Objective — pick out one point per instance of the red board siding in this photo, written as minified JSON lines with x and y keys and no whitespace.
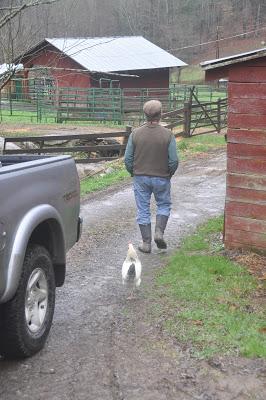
{"x":157,"y":78}
{"x":246,"y":166}
{"x":247,"y":106}
{"x":246,"y":91}
{"x":245,"y":121}
{"x":247,"y":238}
{"x":246,"y":136}
{"x":246,"y":195}
{"x":235,"y":245}
{"x":242,"y":150}
{"x":245,"y":224}
{"x":52,"y":57}
{"x":246,"y":181}
{"x":247,"y":210}
{"x":247,"y":74}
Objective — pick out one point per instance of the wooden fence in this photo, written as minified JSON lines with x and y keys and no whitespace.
{"x":197,"y":118}
{"x":86,"y":148}
{"x":194,"y":118}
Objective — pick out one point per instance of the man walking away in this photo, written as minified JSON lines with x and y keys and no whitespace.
{"x":151,"y":158}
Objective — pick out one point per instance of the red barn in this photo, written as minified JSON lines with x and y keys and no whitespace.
{"x":245,"y":210}
{"x":130,"y":62}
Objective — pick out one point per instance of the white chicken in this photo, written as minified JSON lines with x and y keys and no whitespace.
{"x":131,"y":269}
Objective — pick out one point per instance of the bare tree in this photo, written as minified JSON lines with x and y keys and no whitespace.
{"x":175,"y":25}
{"x":13,"y":10}
{"x":11,"y":32}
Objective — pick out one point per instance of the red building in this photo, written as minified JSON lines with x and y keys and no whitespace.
{"x":127,"y":62}
{"x":245,"y":210}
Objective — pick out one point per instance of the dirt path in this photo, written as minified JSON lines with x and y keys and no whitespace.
{"x":52,"y":129}
{"x":102,"y":346}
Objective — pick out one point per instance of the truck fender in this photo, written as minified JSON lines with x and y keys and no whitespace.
{"x":27,"y":225}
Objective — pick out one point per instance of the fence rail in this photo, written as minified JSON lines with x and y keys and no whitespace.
{"x":193,"y":119}
{"x":194,"y":116}
{"x":87,"y":148}
{"x":24,"y":100}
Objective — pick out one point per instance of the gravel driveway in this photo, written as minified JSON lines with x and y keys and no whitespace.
{"x":105,"y":347}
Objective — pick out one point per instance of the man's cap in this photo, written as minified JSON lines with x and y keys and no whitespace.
{"x":152,"y":108}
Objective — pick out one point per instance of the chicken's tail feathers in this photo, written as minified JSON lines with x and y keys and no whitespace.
{"x":124,"y":271}
{"x":128,"y":271}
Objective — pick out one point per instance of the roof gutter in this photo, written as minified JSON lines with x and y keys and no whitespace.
{"x":80,"y":70}
{"x":207,"y":65}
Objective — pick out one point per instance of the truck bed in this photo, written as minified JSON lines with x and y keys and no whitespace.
{"x":15,"y":163}
{"x":10,"y":160}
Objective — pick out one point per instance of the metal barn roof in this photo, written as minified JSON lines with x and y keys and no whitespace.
{"x":114,"y":54}
{"x":221,"y":62}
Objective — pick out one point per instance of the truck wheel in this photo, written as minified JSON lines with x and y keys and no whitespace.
{"x":27,"y":318}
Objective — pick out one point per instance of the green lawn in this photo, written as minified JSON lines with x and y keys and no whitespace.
{"x":207,"y":302}
{"x":25,"y":116}
{"x":189,"y":74}
{"x":31,"y":117}
{"x":200,"y":144}
{"x":193,"y":75}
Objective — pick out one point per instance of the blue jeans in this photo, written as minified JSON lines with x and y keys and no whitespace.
{"x":144,"y":186}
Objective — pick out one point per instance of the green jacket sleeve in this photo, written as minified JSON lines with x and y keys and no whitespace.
{"x":129,"y":155}
{"x":172,"y":156}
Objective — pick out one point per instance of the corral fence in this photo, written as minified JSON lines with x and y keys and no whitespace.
{"x":24,"y":100}
{"x":194,"y":118}
{"x":85,"y":148}
{"x":197,"y":117}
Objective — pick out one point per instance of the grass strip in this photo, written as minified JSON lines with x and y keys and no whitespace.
{"x":102,"y":181}
{"x":200,"y":144}
{"x":207,"y":302}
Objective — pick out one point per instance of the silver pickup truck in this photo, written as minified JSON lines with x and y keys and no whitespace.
{"x":39,"y":222}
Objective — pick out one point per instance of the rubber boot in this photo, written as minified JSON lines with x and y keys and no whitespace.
{"x":161,"y":222}
{"x":145,"y":231}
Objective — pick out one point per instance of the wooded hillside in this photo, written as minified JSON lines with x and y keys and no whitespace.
{"x":175,"y":25}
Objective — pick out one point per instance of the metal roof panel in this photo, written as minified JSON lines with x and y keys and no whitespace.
{"x":219,"y":62}
{"x":114,"y":54}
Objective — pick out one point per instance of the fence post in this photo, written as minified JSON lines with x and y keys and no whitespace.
{"x":121,"y":106}
{"x":58,"y":102}
{"x":219,"y":115}
{"x":187,"y":118}
{"x":1,"y":116}
{"x":41,"y":146}
{"x":10,"y":100}
{"x":142,"y":101}
{"x":125,"y":140}
{"x":38,"y":108}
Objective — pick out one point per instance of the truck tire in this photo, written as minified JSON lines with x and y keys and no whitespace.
{"x":27,"y":318}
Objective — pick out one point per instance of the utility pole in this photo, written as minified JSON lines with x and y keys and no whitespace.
{"x":217,"y":41}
